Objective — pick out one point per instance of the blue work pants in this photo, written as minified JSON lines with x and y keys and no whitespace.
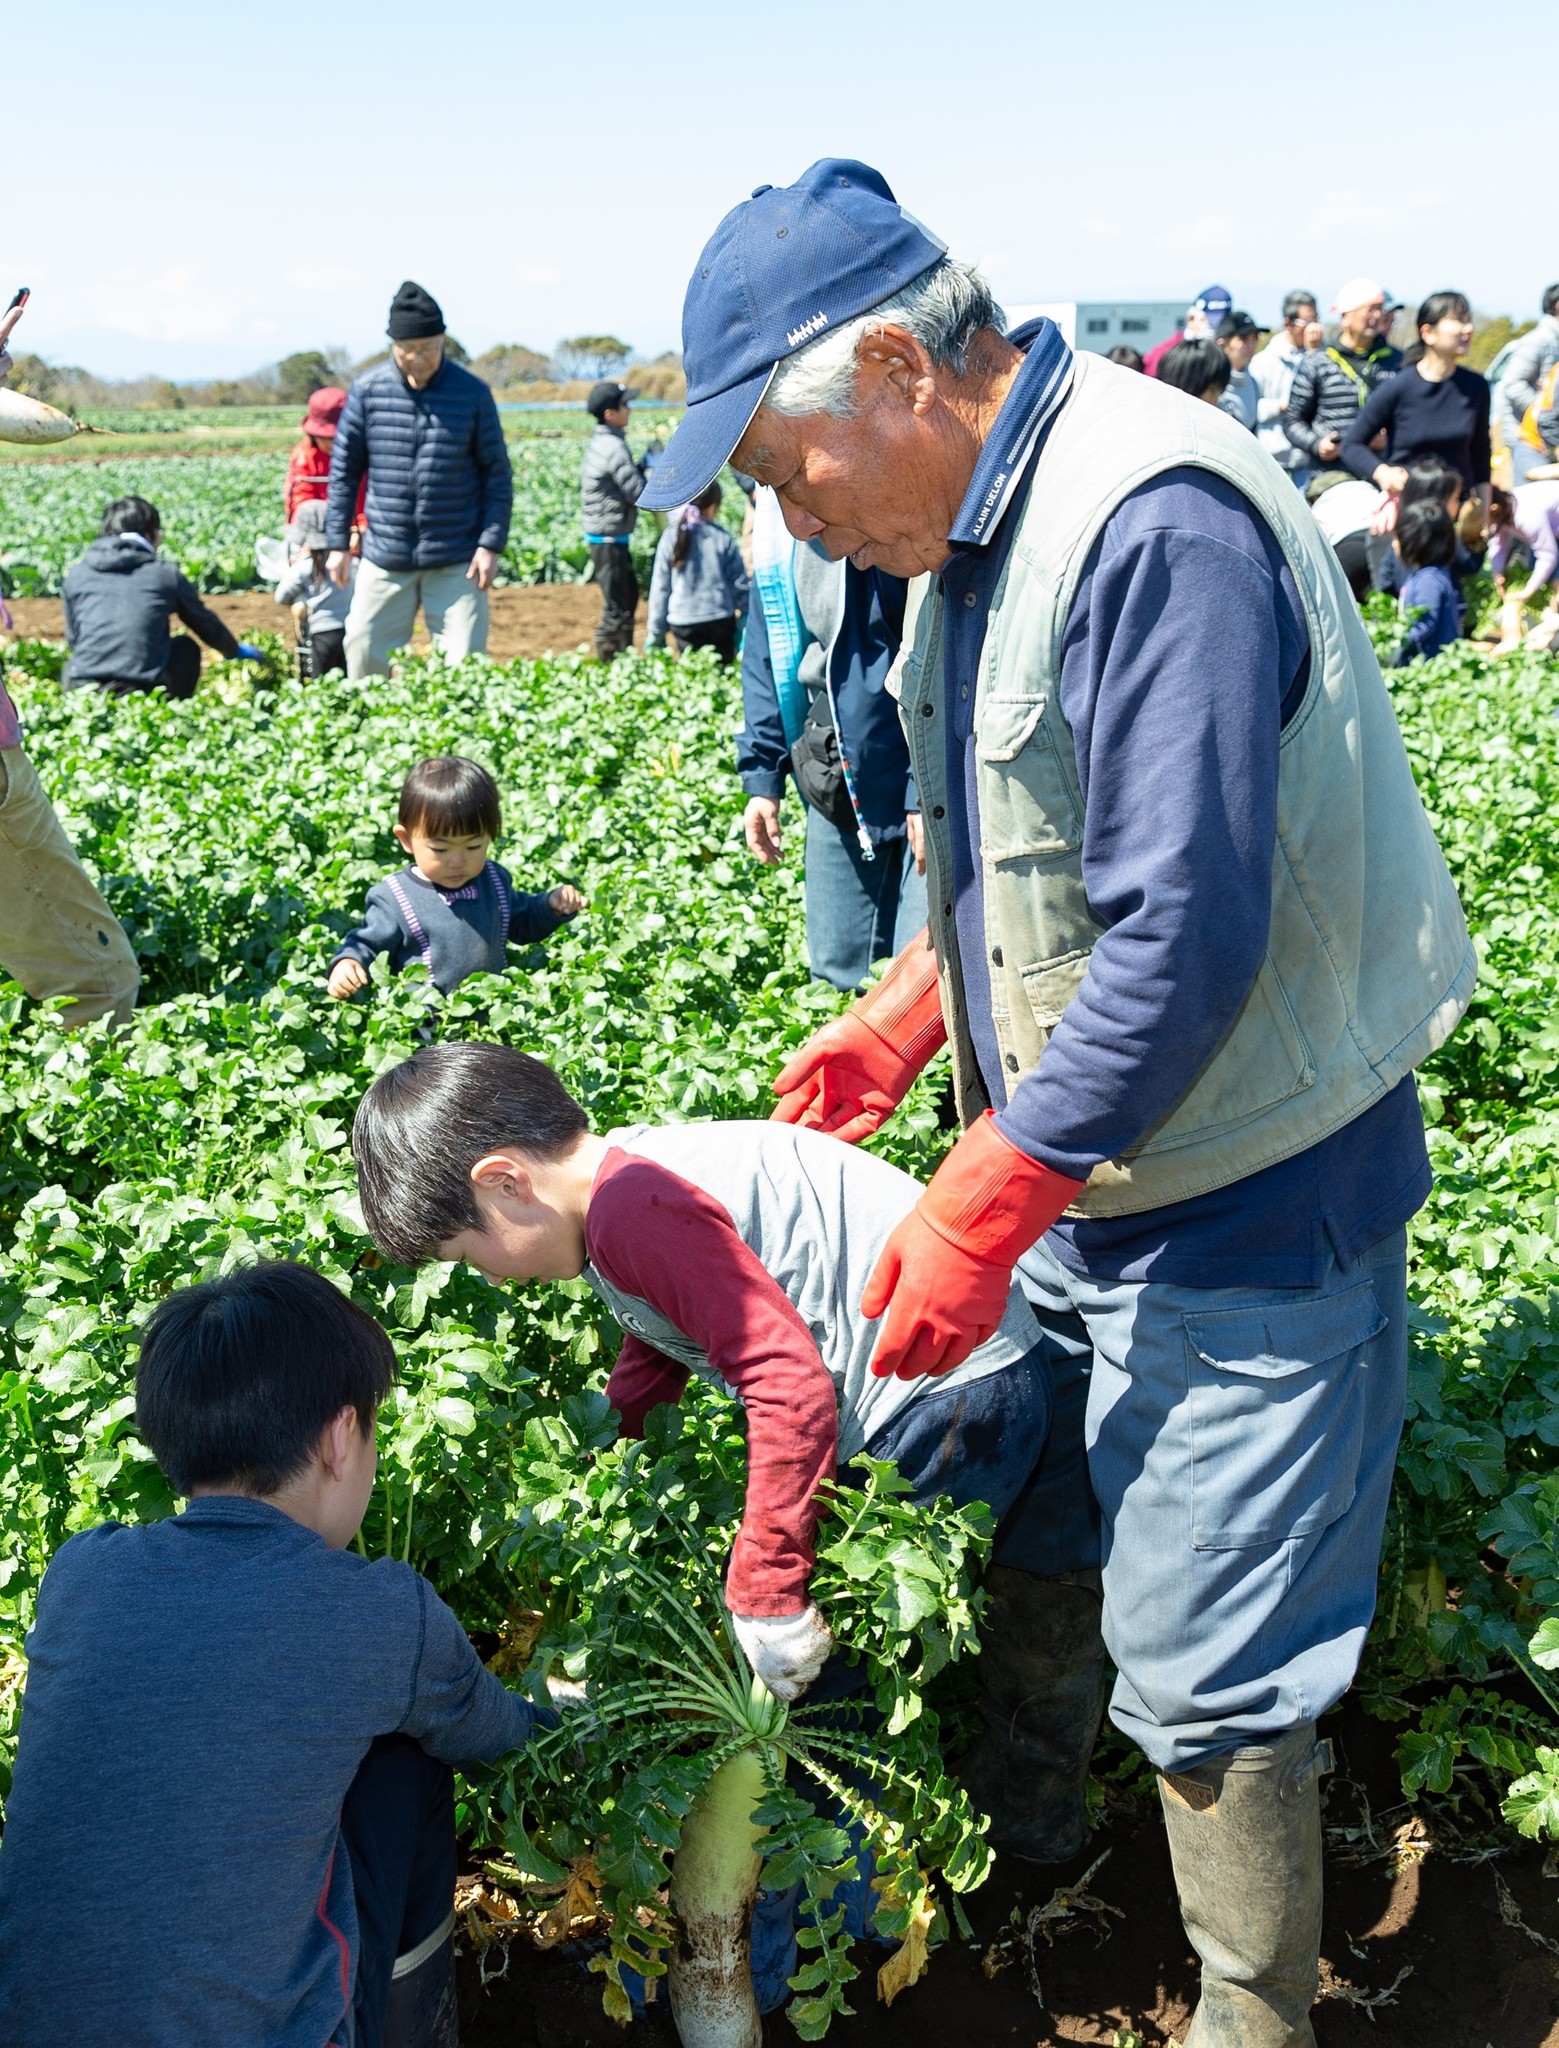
{"x":1241,"y":1443}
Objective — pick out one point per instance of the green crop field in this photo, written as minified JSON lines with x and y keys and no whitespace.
{"x":215,"y":505}
{"x":235,"y":836}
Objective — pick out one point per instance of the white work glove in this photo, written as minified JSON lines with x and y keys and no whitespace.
{"x":786,"y":1651}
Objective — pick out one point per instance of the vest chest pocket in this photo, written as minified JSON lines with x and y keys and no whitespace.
{"x":1028,"y":798}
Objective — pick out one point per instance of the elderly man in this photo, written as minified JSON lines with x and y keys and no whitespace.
{"x":440,"y":495}
{"x":1332,"y":384}
{"x":1192,"y":933}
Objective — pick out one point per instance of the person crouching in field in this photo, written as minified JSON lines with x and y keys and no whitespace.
{"x":237,"y":1735}
{"x":739,"y":1251}
{"x":316,"y":596}
{"x":453,"y":909}
{"x":118,"y":600}
{"x":700,"y":584}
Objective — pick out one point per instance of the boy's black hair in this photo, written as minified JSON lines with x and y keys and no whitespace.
{"x":132,"y":515}
{"x":1551,"y":299}
{"x":238,"y":1376}
{"x":1426,"y":538}
{"x":1128,"y":357}
{"x":1195,"y":367}
{"x":450,"y":797}
{"x":423,"y":1125}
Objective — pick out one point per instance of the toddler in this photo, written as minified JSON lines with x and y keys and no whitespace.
{"x":1426,"y":544}
{"x":453,"y":908}
{"x":320,"y":603}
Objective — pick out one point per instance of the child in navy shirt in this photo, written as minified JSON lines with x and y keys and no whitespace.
{"x":453,"y":908}
{"x":238,"y":1732}
{"x":1426,"y":544}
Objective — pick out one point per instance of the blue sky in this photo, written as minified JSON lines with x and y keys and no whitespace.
{"x":198,"y":190}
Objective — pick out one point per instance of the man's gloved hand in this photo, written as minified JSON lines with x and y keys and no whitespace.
{"x":248,"y":653}
{"x":850,"y":1077}
{"x":786,"y":1651}
{"x":945,"y":1273}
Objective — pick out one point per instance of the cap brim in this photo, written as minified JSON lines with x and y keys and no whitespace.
{"x":702,"y":445}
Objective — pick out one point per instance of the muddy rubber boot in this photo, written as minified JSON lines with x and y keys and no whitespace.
{"x":423,"y":2011}
{"x":1043,"y":1673}
{"x":1245,"y":1840}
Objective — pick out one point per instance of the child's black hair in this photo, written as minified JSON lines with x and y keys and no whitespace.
{"x":450,"y":798}
{"x":1128,"y":357}
{"x":423,"y":1125}
{"x":1195,"y":367}
{"x":132,"y":515}
{"x":1426,"y":537}
{"x":708,"y":504}
{"x":238,"y":1376}
{"x":1432,"y":480}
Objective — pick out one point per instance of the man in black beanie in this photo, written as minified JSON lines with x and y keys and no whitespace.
{"x":440,"y":494}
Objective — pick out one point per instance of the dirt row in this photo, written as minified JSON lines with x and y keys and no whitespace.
{"x":543,"y":618}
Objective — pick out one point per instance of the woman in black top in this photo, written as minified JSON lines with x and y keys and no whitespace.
{"x":1432,"y":407}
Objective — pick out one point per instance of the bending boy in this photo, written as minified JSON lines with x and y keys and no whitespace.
{"x":237,"y":1734}
{"x":739,"y":1251}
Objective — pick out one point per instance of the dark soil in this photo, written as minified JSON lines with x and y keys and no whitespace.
{"x":528,"y":620}
{"x":1475,"y":1979}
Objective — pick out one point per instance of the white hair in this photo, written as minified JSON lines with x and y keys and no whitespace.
{"x":944,"y":308}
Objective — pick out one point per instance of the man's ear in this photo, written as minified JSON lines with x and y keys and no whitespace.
{"x":335,"y":1440}
{"x":892,"y":360}
{"x":501,"y":1173}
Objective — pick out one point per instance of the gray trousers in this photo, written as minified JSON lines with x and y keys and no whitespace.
{"x":384,"y":611}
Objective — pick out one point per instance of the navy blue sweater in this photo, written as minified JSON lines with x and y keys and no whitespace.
{"x":200,"y":1694}
{"x":1184,"y":654}
{"x":453,"y":932}
{"x":1449,"y":419}
{"x":439,"y":481}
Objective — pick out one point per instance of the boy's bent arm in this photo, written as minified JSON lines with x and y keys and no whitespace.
{"x":655,"y":1235}
{"x":458,"y":1710}
{"x":643,"y":1378}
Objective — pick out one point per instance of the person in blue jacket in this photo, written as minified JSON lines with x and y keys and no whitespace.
{"x":1426,"y":547}
{"x":440,"y":495}
{"x":821,"y":637}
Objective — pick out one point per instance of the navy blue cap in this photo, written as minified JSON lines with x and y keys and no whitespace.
{"x":783,"y":267}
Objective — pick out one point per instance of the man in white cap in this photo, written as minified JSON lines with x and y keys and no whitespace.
{"x":1332,"y":383}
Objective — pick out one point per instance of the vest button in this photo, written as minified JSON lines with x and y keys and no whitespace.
{"x":970,"y":600}
{"x":947,"y":909}
{"x":928,"y":711}
{"x":996,"y":956}
{"x":938,"y":811}
{"x":1012,"y":1063}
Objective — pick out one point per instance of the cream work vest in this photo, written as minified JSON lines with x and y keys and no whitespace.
{"x":1368,"y":964}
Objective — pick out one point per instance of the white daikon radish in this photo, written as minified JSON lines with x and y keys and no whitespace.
{"x":29,"y":419}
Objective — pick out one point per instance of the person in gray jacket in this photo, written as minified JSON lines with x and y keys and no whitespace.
{"x":1529,"y":362}
{"x":119,"y":599}
{"x":610,"y":486}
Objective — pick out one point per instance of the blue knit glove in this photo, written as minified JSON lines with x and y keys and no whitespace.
{"x":248,"y":653}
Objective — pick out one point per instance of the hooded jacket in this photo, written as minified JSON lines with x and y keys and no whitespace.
{"x":439,"y":481}
{"x":118,"y":601}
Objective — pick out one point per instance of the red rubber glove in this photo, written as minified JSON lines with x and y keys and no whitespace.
{"x":850,"y":1077}
{"x":946,"y":1272}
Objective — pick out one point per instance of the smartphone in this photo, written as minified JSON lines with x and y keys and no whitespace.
{"x":23,"y":294}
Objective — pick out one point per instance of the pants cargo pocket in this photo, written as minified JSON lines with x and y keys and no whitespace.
{"x":1276,"y":1400}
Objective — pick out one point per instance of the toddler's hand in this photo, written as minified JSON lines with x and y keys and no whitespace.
{"x":346,"y":978}
{"x":567,"y":901}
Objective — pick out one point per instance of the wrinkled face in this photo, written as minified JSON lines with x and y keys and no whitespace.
{"x":418,"y":361}
{"x":447,"y":860}
{"x":871,"y":488}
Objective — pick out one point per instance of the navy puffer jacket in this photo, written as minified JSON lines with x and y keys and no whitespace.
{"x":439,"y":481}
